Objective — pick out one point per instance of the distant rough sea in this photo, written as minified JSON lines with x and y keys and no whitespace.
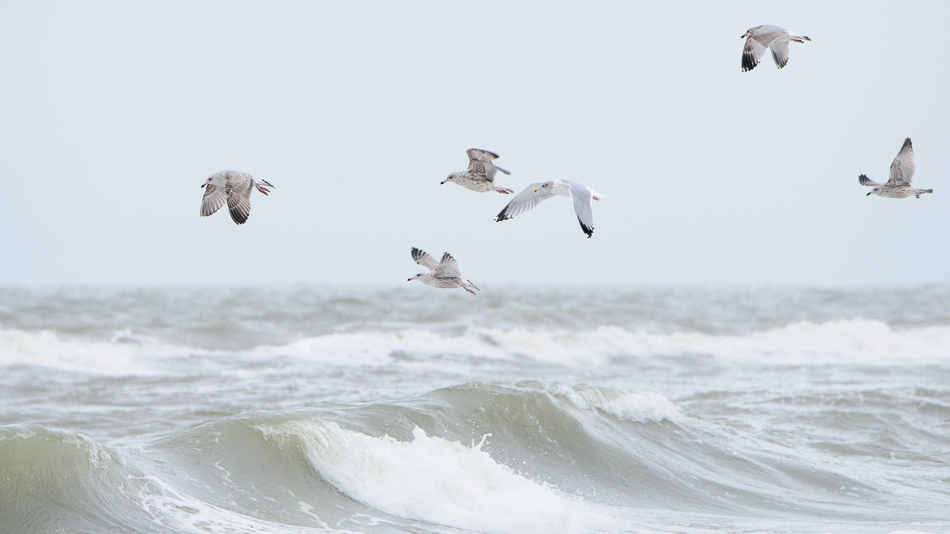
{"x":520,"y":410}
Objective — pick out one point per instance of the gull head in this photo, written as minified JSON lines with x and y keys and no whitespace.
{"x":545,"y":185}
{"x":450,"y":178}
{"x":211,"y":180}
{"x":416,"y":277}
{"x":873,"y":191}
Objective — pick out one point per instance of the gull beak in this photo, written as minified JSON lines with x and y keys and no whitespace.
{"x":409,"y":280}
{"x":536,"y":190}
{"x":869,"y":194}
{"x":442,"y":182}
{"x":204,"y":184}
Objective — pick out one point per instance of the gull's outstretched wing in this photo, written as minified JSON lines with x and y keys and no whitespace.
{"x":902,"y":168}
{"x":864,"y":180}
{"x":482,"y":161}
{"x":213,"y":199}
{"x":585,"y":216}
{"x":751,"y":54}
{"x":448,"y":267}
{"x":758,"y":40}
{"x":239,"y":198}
{"x":524,"y":201}
{"x":424,"y":259}
{"x":780,"y":52}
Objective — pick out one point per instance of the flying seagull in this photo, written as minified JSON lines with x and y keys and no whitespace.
{"x":480,"y":175}
{"x":234,"y":188}
{"x":902,"y":171}
{"x":762,"y":37}
{"x":445,"y":274}
{"x":539,"y":192}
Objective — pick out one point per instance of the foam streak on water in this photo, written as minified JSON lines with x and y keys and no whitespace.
{"x":301,"y":409}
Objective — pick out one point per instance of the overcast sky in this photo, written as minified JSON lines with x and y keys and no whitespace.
{"x":112,"y":114}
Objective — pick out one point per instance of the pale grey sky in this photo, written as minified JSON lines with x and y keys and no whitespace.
{"x":112,"y":114}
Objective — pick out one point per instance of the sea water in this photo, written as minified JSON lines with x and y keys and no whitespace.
{"x":521,"y":410}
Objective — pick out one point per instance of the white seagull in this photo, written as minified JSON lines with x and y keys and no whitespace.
{"x":234,"y":188}
{"x":902,"y":172}
{"x":762,"y":37}
{"x":480,"y":175}
{"x":445,"y":274}
{"x":537,"y":193}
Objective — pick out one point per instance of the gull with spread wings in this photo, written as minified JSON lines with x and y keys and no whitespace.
{"x":234,"y":188}
{"x":760,"y":38}
{"x":537,"y":193}
{"x":480,"y":175}
{"x":902,"y":172}
{"x":444,"y":274}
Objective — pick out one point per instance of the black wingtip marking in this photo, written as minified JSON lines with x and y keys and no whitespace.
{"x":589,"y":230}
{"x":747,"y":62}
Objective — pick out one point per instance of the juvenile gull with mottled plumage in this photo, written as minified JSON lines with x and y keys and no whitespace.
{"x":902,"y":172}
{"x":444,"y":274}
{"x":480,"y":175}
{"x":234,"y":188}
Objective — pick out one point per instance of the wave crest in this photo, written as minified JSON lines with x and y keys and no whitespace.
{"x":432,"y":479}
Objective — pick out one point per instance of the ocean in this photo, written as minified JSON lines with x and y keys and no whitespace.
{"x":297,"y":409}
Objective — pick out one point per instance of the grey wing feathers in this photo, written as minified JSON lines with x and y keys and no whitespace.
{"x":780,"y":52}
{"x":864,"y":180}
{"x":448,"y":267}
{"x":477,"y":158}
{"x":585,"y":216}
{"x":903,"y":166}
{"x":524,"y":201}
{"x":751,"y":54}
{"x":239,"y":200}
{"x":213,"y":199}
{"x":481,"y":155}
{"x":424,"y":259}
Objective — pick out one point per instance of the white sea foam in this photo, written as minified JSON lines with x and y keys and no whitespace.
{"x":46,"y":349}
{"x":639,"y":407}
{"x":435,"y":480}
{"x":849,"y":341}
{"x":168,"y":507}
